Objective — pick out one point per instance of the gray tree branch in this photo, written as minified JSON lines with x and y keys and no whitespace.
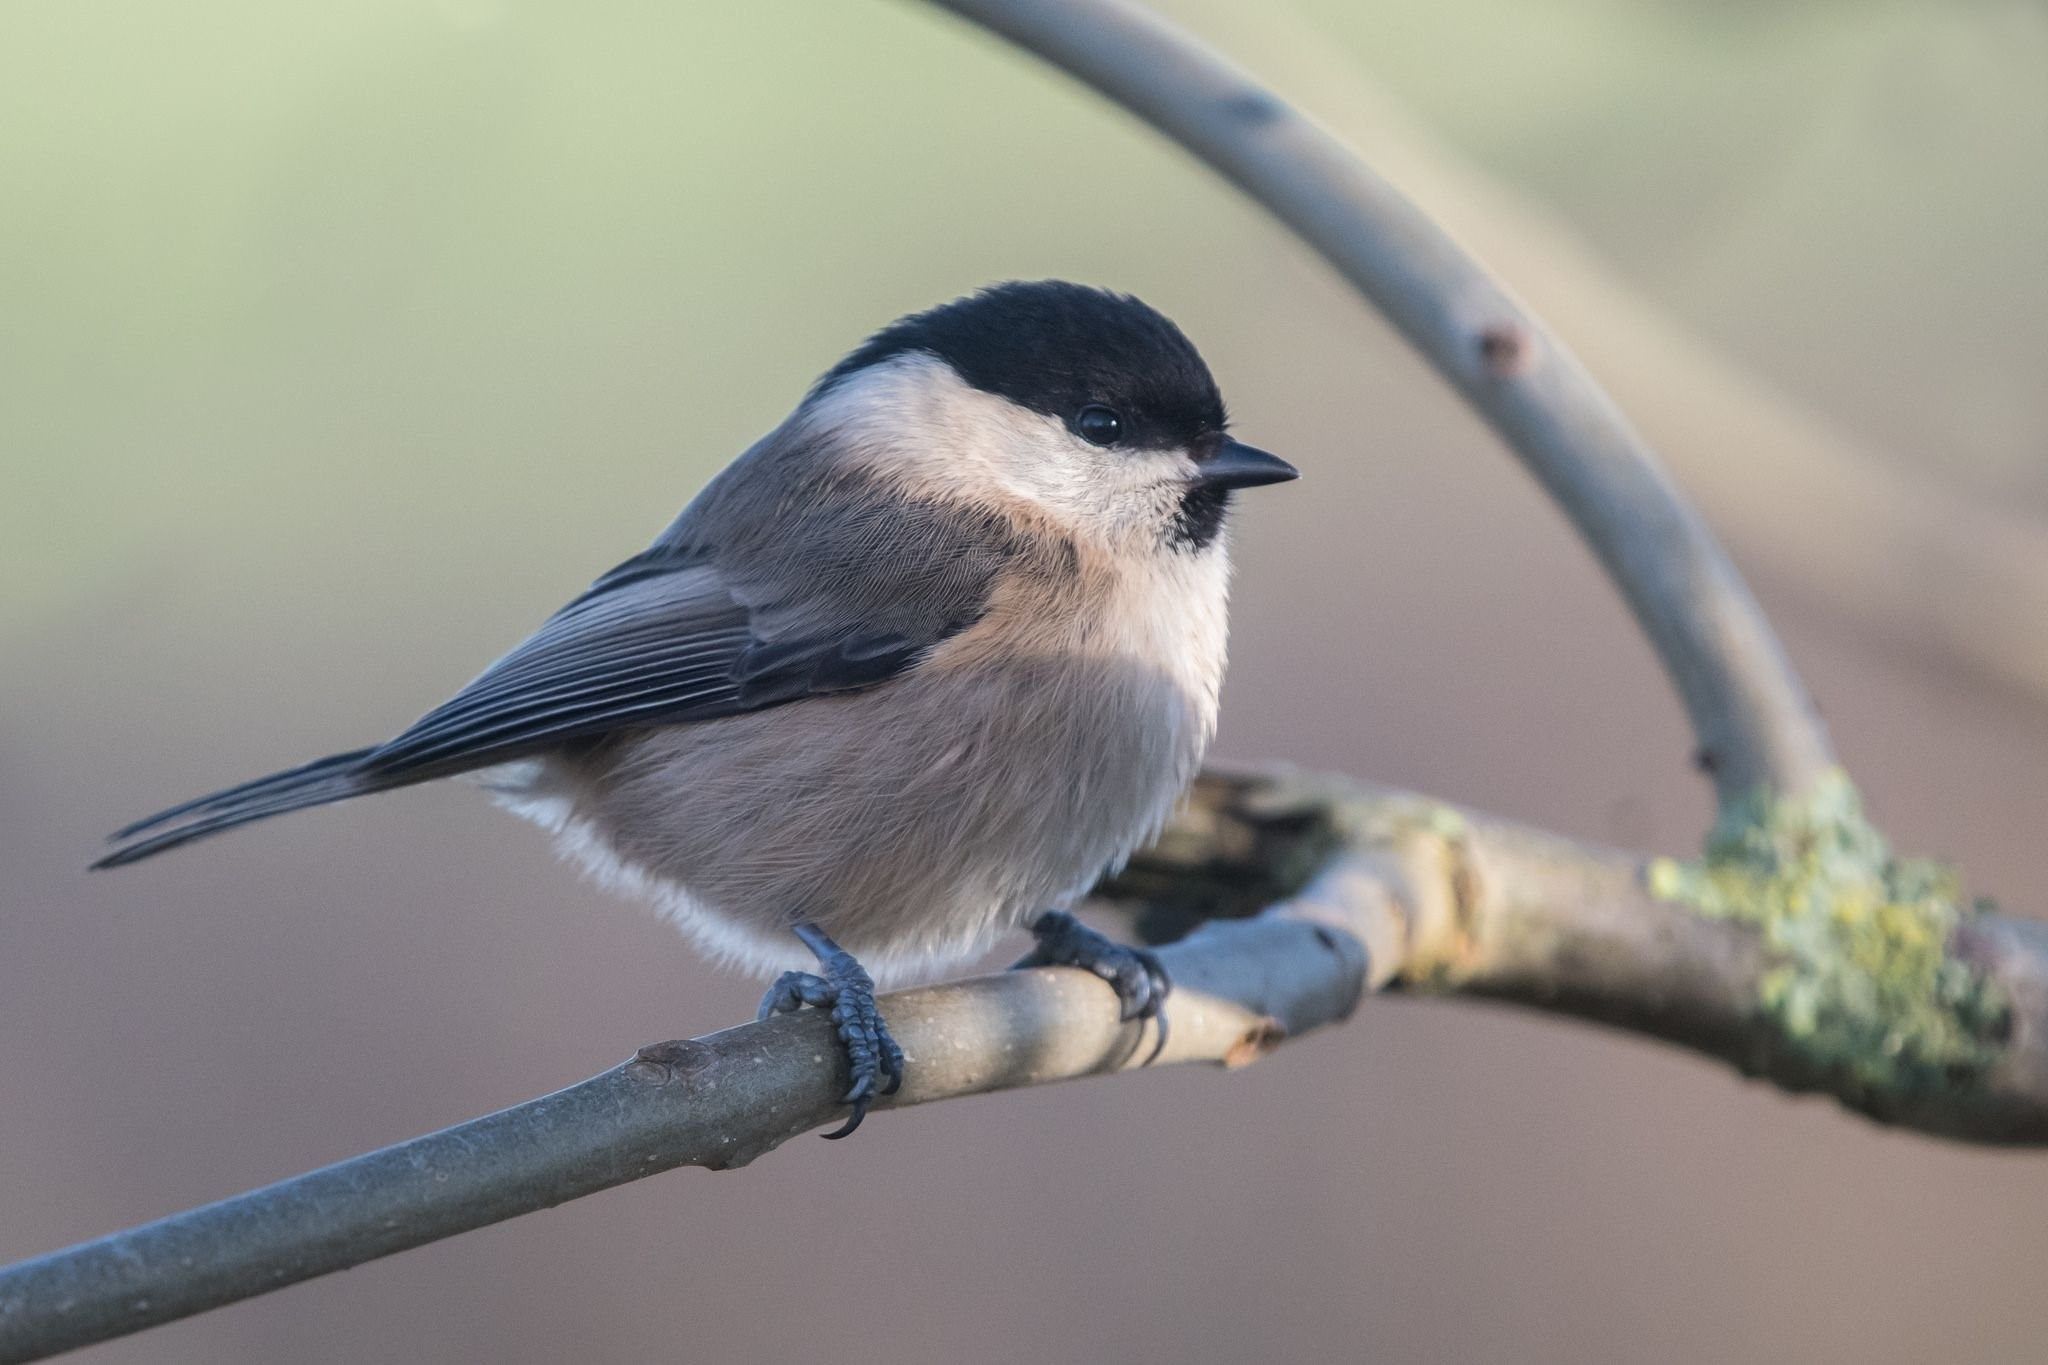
{"x":1362,"y":889}
{"x":1910,"y":564}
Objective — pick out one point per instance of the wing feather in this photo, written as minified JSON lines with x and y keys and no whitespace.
{"x":640,"y":649}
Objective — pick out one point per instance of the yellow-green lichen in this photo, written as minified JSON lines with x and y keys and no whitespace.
{"x":1861,"y":984}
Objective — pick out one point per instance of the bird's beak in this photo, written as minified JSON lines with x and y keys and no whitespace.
{"x":1237,"y":465}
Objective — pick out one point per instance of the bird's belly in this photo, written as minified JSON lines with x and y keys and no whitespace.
{"x":913,"y":822}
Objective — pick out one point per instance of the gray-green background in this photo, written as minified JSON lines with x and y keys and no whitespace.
{"x":340,"y":342}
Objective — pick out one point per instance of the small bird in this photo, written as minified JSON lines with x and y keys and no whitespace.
{"x":917,"y":668}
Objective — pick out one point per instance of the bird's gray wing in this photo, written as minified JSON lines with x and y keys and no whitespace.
{"x":842,"y":586}
{"x":764,"y":592}
{"x":643,"y":647}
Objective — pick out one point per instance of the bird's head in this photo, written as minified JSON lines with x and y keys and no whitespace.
{"x":1089,"y":408}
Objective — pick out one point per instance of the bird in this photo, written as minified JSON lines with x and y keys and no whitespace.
{"x":916,"y":669}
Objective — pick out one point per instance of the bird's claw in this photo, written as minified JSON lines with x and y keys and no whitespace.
{"x":1135,"y":974}
{"x":848,"y":992}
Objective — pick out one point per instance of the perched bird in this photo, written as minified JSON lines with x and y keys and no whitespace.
{"x":917,"y":668}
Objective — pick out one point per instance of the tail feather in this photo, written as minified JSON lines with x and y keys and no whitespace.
{"x":256,"y":787}
{"x":318,"y":783}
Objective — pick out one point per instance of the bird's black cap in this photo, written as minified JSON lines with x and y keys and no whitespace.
{"x":1056,"y":348}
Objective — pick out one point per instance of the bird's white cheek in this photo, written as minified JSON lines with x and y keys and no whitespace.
{"x":914,"y":420}
{"x":1125,"y":497}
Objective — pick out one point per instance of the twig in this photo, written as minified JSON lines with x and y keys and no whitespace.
{"x":1914,"y":566}
{"x":1376,"y":890}
{"x":1755,"y":724}
{"x":718,"y":1101}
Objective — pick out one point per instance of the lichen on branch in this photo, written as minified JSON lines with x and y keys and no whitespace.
{"x":1863,"y":983}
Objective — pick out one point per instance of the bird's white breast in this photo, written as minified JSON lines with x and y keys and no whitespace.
{"x":1170,"y":610}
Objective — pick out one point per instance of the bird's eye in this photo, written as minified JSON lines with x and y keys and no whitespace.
{"x":1098,"y":425}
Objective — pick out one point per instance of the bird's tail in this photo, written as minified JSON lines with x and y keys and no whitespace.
{"x":335,"y":778}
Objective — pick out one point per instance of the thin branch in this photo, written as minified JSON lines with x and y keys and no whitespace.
{"x":1912,"y":565}
{"x":1755,"y":723}
{"x":718,"y":1101}
{"x":1375,"y":890}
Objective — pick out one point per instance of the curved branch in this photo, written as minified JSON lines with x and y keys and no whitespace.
{"x":1375,"y":890}
{"x":1904,"y":561}
{"x":1755,"y":723}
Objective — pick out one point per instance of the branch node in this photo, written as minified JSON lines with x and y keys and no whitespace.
{"x":1865,"y":987}
{"x":1262,"y":1037}
{"x":663,"y":1063}
{"x":1253,"y":108}
{"x":1506,"y":350}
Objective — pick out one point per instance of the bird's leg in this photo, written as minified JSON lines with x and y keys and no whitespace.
{"x":844,"y":987}
{"x":1135,"y":974}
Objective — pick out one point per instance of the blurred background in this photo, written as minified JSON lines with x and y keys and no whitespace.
{"x":341,"y":342}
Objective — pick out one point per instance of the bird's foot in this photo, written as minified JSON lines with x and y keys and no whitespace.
{"x":1140,"y":981}
{"x":842,"y":986}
